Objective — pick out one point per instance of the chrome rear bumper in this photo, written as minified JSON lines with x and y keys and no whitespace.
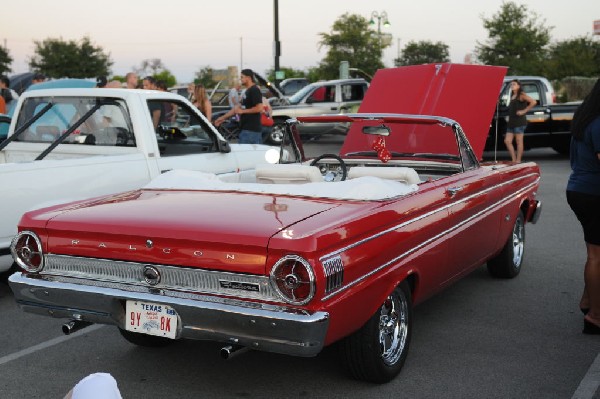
{"x":258,"y":326}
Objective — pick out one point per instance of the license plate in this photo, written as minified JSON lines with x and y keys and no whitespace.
{"x":151,"y":318}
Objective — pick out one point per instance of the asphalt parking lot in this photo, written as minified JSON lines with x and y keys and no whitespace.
{"x":481,"y":338}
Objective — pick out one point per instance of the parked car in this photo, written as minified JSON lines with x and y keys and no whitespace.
{"x":548,"y":123}
{"x":66,"y":83}
{"x":21,"y":81}
{"x":338,"y":248}
{"x":327,"y":97}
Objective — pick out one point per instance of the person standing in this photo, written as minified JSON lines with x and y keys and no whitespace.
{"x":519,"y":104}
{"x":249,"y":111}
{"x":101,"y":82}
{"x":131,"y":79}
{"x":10,"y":96}
{"x":149,"y":83}
{"x":202,"y":102}
{"x":583,"y":196}
{"x":190,"y":90}
{"x":233,"y":97}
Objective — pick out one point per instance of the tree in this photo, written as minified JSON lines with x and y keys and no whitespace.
{"x":515,"y":39}
{"x":205,"y":77}
{"x":423,"y":52}
{"x":166,"y":76}
{"x":350,"y":40}
{"x":5,"y":60}
{"x":288,"y":72}
{"x":154,"y":67}
{"x":150,"y":67}
{"x":574,"y":57}
{"x":57,"y":58}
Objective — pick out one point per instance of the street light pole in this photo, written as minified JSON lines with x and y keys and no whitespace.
{"x":379,"y":16}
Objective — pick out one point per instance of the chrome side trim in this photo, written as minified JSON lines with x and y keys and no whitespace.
{"x":104,"y":271}
{"x":379,"y":268}
{"x":398,"y":226}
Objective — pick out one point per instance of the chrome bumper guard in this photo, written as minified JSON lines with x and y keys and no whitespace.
{"x":265,"y":327}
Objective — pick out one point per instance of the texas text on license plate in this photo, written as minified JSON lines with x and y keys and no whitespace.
{"x":151,"y":318}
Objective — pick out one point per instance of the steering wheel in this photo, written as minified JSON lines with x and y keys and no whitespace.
{"x":328,"y":173}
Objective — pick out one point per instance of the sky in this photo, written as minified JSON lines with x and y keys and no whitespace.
{"x":190,"y":35}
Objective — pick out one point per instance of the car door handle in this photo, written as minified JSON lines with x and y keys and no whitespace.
{"x":454,"y":190}
{"x":334,"y":108}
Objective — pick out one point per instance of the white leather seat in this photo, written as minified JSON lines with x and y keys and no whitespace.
{"x":287,"y":174}
{"x":407,"y":175}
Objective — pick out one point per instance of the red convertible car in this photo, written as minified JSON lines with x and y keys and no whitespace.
{"x":334,"y":249}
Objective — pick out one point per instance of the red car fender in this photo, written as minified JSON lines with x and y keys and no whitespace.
{"x":350,"y":310}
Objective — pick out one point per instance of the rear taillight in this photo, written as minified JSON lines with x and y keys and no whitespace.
{"x":293,"y":279}
{"x":26,"y":249}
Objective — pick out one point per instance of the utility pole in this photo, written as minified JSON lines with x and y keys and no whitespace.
{"x":276,"y":43}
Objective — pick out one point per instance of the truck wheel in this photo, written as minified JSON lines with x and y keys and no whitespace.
{"x":376,"y":352}
{"x":507,"y":264}
{"x":148,"y":341}
{"x":562,"y":148}
{"x":277,"y":131}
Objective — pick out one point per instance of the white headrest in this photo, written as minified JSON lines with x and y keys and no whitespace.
{"x":404,"y":174}
{"x":288,"y":174}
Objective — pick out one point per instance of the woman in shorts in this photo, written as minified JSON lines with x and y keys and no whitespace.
{"x":519,"y":104}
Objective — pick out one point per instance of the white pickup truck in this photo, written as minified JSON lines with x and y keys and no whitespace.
{"x":69,"y":144}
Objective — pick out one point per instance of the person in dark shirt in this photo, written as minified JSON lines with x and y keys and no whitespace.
{"x":519,"y":104}
{"x":583,"y":196}
{"x":249,"y":111}
{"x":156,"y":111}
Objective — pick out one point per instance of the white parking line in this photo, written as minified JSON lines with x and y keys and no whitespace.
{"x":47,"y":344}
{"x":588,"y":386}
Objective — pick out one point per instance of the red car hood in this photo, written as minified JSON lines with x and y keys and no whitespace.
{"x":216,"y":230}
{"x":466,"y":93}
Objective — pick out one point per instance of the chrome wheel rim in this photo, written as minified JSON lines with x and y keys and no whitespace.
{"x":277,"y":133}
{"x":518,"y":242}
{"x":393,"y":327}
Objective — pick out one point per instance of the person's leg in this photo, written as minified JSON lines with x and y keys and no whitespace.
{"x":254,"y":137}
{"x":244,"y":138}
{"x":508,"y":141}
{"x":592,"y":282}
{"x":519,"y":140}
{"x":584,"y":302}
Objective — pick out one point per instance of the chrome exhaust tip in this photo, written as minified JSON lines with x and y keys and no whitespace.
{"x":227,"y":352}
{"x":73,"y":326}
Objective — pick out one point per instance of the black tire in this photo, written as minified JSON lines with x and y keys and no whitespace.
{"x":148,"y":341}
{"x":5,"y":275}
{"x":376,"y":352}
{"x":507,"y":264}
{"x":562,"y":148}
